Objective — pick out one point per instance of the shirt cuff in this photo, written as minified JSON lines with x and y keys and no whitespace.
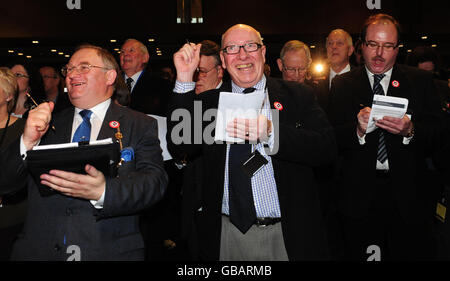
{"x":407,"y":140}
{"x":98,"y":204}
{"x":23,"y":149}
{"x":362,"y":140}
{"x":183,"y":87}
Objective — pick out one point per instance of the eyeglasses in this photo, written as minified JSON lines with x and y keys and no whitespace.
{"x":234,"y":49}
{"x":374,"y":45}
{"x":202,"y":71}
{"x":82,"y":69}
{"x":20,"y":75}
{"x":293,"y":70}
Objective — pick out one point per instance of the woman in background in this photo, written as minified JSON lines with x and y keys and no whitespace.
{"x":13,"y":206}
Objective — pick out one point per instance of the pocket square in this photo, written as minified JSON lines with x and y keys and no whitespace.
{"x":127,"y":154}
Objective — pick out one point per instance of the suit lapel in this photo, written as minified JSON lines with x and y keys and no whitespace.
{"x":276,"y":98}
{"x":398,"y":86}
{"x":63,"y":130}
{"x":114,"y":113}
{"x":366,"y":95}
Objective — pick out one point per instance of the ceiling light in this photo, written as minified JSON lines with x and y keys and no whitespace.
{"x":10,"y":51}
{"x":151,"y":40}
{"x":20,"y":54}
{"x":35,"y":42}
{"x":113,"y":40}
{"x":434,"y":45}
{"x":60,"y":53}
{"x":312,"y":46}
{"x":424,"y":37}
{"x":53,"y":51}
{"x":28,"y":57}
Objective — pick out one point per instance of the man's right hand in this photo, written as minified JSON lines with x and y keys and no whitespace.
{"x":186,"y":61}
{"x":363,"y":120}
{"x":37,"y":124}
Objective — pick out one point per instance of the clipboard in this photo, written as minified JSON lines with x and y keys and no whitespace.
{"x":103,"y":157}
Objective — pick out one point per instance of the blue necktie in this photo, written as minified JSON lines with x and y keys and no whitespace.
{"x":242,"y":207}
{"x":378,"y":90}
{"x":83,"y":132}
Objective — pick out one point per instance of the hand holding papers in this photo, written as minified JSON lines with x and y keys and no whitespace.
{"x":236,"y":106}
{"x":386,"y":106}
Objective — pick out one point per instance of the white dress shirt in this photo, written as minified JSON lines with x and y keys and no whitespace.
{"x":333,"y":74}
{"x":98,"y":114}
{"x":385,"y":85}
{"x":135,"y":77}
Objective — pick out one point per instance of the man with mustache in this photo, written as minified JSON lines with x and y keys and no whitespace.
{"x":384,"y":203}
{"x":281,"y":218}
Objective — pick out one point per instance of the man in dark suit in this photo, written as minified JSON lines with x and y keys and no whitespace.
{"x":92,"y":217}
{"x":339,"y":46}
{"x":383,"y":198}
{"x":274,"y":214}
{"x":148,"y":92}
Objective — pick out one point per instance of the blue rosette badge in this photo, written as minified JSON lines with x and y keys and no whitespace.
{"x":126,"y":154}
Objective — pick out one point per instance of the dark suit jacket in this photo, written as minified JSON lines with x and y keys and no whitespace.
{"x":110,"y":233}
{"x":305,"y":140}
{"x":350,"y":92}
{"x":150,"y":94}
{"x":322,"y":90}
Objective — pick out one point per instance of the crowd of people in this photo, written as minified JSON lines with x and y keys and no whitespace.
{"x":303,"y":179}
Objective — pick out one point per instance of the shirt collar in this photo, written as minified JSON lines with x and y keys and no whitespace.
{"x":135,"y":76}
{"x":260,"y":86}
{"x":98,"y":111}
{"x":384,"y":82}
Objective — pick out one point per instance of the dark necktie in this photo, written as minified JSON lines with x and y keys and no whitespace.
{"x":83,"y":132}
{"x":242,"y":207}
{"x":129,"y":81}
{"x":378,"y":90}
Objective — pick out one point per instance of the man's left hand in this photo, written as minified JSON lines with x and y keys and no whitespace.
{"x":90,"y":186}
{"x":250,"y":129}
{"x":397,"y":126}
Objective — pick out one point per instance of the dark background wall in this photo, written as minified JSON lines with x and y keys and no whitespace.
{"x":57,"y":27}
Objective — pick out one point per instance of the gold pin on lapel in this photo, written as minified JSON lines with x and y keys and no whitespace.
{"x":118,"y":135}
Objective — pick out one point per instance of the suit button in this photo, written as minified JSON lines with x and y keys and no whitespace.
{"x":69,"y":212}
{"x":57,"y":247}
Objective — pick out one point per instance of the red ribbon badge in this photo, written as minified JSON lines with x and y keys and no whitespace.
{"x":114,"y":124}
{"x":278,"y":105}
{"x":395,"y":83}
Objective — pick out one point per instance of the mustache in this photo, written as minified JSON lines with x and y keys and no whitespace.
{"x":378,"y":58}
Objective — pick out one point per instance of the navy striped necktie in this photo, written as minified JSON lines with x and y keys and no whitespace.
{"x":378,"y":90}
{"x":241,"y":204}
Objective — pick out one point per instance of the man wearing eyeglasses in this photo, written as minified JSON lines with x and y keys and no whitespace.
{"x":295,"y":60}
{"x":384,"y":201}
{"x":53,"y":86}
{"x":209,"y":72}
{"x":271,"y":213}
{"x":91,"y":216}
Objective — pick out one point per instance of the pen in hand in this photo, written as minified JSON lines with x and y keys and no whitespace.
{"x":35,"y":103}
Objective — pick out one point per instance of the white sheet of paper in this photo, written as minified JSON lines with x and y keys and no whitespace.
{"x":386,"y":106}
{"x":70,"y":144}
{"x":234,"y":105}
{"x":162,"y":130}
